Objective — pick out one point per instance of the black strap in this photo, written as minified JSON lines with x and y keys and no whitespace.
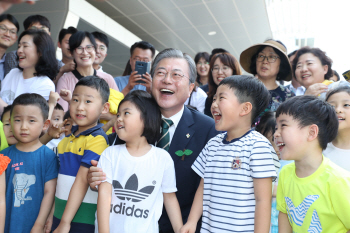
{"x":78,"y":75}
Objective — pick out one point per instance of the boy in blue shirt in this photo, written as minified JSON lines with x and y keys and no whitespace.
{"x":75,"y":204}
{"x":32,"y":173}
{"x":237,"y":167}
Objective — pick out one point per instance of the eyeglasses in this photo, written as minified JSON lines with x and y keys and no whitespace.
{"x":270,"y":58}
{"x":223,"y":69}
{"x":42,"y":28}
{"x":4,"y":29}
{"x":87,"y":48}
{"x":102,"y":49}
{"x":176,"y":75}
{"x":202,"y":63}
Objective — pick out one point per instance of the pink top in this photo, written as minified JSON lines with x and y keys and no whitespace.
{"x":68,"y":81}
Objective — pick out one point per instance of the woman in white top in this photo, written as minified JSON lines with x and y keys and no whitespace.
{"x":36,"y":69}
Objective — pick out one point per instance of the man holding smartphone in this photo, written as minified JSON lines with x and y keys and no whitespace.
{"x":140,"y":51}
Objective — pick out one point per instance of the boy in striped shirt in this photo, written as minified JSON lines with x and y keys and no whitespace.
{"x":75,"y":204}
{"x":236,"y":167}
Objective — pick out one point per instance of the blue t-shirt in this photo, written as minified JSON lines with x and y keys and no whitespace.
{"x":122,"y":81}
{"x":26,"y":176}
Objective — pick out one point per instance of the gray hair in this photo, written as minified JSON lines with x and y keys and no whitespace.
{"x":175,"y":53}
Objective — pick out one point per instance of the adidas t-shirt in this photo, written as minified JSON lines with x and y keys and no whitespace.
{"x":228,"y":169}
{"x":138,"y":184}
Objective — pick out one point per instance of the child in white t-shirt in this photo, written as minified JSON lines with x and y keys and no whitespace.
{"x":338,"y":151}
{"x":139,"y":176}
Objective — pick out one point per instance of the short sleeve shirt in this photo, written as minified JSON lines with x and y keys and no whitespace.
{"x":26,"y":176}
{"x":228,"y":170}
{"x":138,"y":184}
{"x":317,"y":203}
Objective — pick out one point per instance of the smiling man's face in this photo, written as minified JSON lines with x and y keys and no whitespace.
{"x":171,"y":95}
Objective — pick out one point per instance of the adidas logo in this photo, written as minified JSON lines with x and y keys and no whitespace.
{"x":130,"y":191}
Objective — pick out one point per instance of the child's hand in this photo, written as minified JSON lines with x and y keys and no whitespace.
{"x":48,"y":224}
{"x":188,"y":228}
{"x":66,"y":94}
{"x":55,"y":130}
{"x":62,"y":228}
{"x":53,"y":98}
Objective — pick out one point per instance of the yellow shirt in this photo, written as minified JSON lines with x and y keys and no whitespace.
{"x":317,"y":203}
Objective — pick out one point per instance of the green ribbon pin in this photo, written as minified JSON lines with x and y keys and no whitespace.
{"x":183,"y":152}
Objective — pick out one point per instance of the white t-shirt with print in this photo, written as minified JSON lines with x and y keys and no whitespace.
{"x":341,"y":157}
{"x":14,"y":85}
{"x":138,"y":184}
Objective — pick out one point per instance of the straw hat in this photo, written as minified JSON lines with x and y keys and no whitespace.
{"x":246,"y":56}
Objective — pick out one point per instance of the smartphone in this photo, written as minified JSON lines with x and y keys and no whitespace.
{"x":141,"y":68}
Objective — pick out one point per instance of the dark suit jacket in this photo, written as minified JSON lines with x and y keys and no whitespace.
{"x":193,"y":132}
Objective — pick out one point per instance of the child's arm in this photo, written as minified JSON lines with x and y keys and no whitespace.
{"x":49,"y":220}
{"x":2,"y":202}
{"x":75,"y":198}
{"x":283,"y":223}
{"x":196,"y":210}
{"x":262,"y":193}
{"x":54,"y":131}
{"x":46,"y":205}
{"x":172,"y":208}
{"x":103,"y":206}
{"x":53,"y":98}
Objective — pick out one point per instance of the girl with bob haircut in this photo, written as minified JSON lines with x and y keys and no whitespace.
{"x":135,"y":170}
{"x":82,"y":46}
{"x":37,"y":67}
{"x":338,"y":151}
{"x":313,"y":68}
{"x":269,"y":62}
{"x":222,"y":65}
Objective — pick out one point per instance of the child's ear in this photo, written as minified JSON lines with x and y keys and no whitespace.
{"x":313,"y":132}
{"x":46,"y":125}
{"x":105,"y":108}
{"x":246,"y":108}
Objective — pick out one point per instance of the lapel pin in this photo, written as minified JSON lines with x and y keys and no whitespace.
{"x":182,"y":153}
{"x":188,"y":135}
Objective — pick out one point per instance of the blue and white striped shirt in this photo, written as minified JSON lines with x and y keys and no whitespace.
{"x":228,"y":169}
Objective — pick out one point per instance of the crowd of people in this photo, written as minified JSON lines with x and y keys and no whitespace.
{"x":191,"y":146}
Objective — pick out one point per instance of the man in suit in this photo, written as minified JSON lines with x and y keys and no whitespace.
{"x":174,"y":75}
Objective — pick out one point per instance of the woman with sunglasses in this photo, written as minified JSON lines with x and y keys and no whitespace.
{"x":269,"y":62}
{"x":82,"y":45}
{"x":222,"y":65}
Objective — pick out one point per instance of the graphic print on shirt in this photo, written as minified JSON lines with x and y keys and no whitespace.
{"x":298,"y":214}
{"x":21,"y":183}
{"x":131,"y":194}
{"x":315,"y":225}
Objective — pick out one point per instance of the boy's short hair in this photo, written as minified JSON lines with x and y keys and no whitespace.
{"x":101,"y":37}
{"x":32,"y":99}
{"x":66,"y":115}
{"x":10,"y":18}
{"x":249,"y":89}
{"x":308,"y":110}
{"x":58,"y":107}
{"x":97,"y":83}
{"x":65,"y":31}
{"x":150,"y":113}
{"x":36,"y":19}
{"x":6,"y":109}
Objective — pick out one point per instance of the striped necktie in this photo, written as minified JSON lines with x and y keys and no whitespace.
{"x":164,"y":140}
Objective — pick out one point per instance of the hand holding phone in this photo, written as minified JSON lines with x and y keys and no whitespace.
{"x":142,"y":68}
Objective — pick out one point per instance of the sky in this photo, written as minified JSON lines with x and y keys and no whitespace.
{"x":327,"y":21}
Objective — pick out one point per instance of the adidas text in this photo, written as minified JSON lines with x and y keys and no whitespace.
{"x":129,"y":211}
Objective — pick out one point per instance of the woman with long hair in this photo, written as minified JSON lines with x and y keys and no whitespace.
{"x":36,"y":69}
{"x":222,"y":65}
